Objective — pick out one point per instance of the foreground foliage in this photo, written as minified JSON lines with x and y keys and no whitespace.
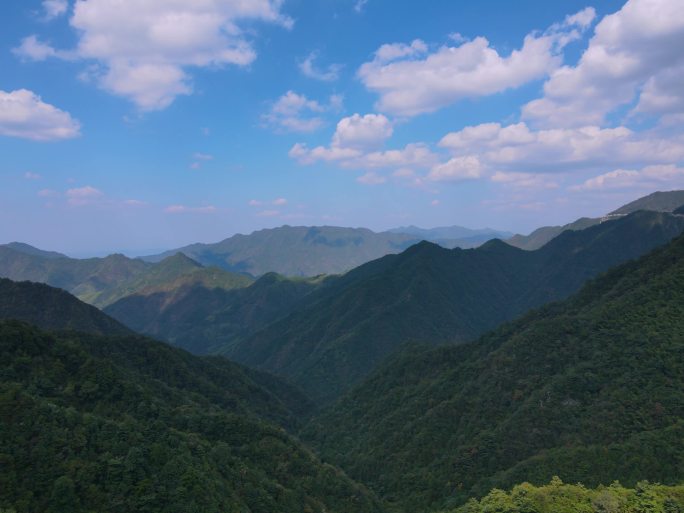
{"x":558,"y":497}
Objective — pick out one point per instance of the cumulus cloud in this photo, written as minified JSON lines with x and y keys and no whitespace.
{"x":357,"y":143}
{"x":517,"y":148}
{"x":32,"y":176}
{"x":142,"y":50}
{"x":456,"y":169}
{"x":294,"y":112}
{"x":410,"y":80}
{"x":638,"y":46}
{"x":280,"y":201}
{"x":650,"y":177}
{"x":328,"y":74}
{"x":361,"y":132}
{"x":24,"y":114}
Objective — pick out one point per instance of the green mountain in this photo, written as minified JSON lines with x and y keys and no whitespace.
{"x":656,"y":202}
{"x":434,"y":295}
{"x":543,"y":235}
{"x":53,"y":309}
{"x":114,"y":424}
{"x":296,"y":250}
{"x":30,"y":250}
{"x":203,"y":318}
{"x":590,"y":389}
{"x":102,"y":281}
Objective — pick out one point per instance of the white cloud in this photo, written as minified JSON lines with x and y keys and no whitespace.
{"x":47,"y":193}
{"x":55,"y":8}
{"x":184,"y":209}
{"x":357,"y":143}
{"x":32,"y":49}
{"x":143,"y":49}
{"x":24,"y":114}
{"x":83,"y":196}
{"x":362,"y":132}
{"x":255,"y":203}
{"x":32,"y":176}
{"x":294,"y":112}
{"x":435,"y":202}
{"x":517,"y":148}
{"x":456,"y":169}
{"x":650,"y":177}
{"x":391,"y":52}
{"x":371,"y":178}
{"x":329,"y":74}
{"x":279,"y":202}
{"x":410,"y":82}
{"x":359,"y":5}
{"x":640,"y":44}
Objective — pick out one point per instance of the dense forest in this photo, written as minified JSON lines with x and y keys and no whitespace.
{"x":590,"y":389}
{"x":120,"y":424}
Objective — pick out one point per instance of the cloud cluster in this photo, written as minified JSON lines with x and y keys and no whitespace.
{"x":24,"y":114}
{"x":412,"y":80}
{"x":650,"y":177}
{"x":518,"y":148}
{"x":358,"y":143}
{"x":636,"y":48}
{"x":294,"y":112}
{"x":142,"y":50}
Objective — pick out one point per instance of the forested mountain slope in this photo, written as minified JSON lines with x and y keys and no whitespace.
{"x":114,"y":424}
{"x":433,"y":295}
{"x":590,"y":389}
{"x":53,"y":309}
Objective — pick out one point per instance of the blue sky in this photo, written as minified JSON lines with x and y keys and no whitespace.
{"x":139,"y":125}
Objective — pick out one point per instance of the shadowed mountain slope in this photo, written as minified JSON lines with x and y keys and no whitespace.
{"x":590,"y":389}
{"x":53,"y":309}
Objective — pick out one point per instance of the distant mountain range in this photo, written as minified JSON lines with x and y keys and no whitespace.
{"x":101,"y":281}
{"x":434,"y":295}
{"x":658,"y":202}
{"x":590,"y":390}
{"x":314,"y":250}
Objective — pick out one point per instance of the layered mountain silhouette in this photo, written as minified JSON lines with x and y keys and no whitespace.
{"x":438,"y":296}
{"x":314,"y":250}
